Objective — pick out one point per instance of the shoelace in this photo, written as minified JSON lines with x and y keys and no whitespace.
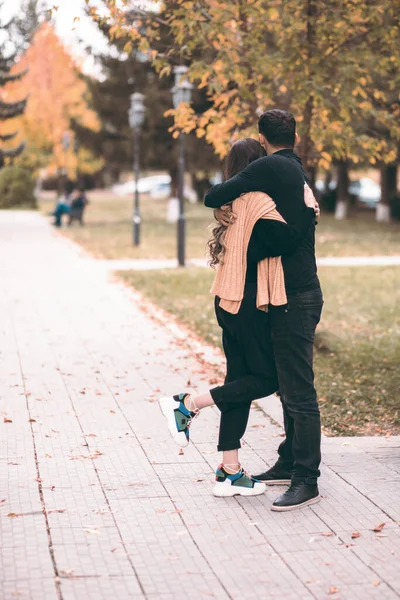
{"x":192,"y":419}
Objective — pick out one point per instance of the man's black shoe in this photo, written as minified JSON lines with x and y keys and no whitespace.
{"x":298,"y":495}
{"x":276,"y":475}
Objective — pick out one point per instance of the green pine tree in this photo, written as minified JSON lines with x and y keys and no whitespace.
{"x":9,"y":110}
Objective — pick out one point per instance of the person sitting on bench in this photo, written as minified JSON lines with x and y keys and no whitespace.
{"x":78,"y":205}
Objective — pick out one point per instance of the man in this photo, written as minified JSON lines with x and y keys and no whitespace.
{"x":280,"y":174}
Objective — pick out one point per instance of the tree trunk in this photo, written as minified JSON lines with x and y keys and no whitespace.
{"x":201,"y":185}
{"x":173,"y":173}
{"x":388,"y":191}
{"x":328,"y":179}
{"x":342,"y":200}
{"x":312,"y":176}
{"x":306,"y":142}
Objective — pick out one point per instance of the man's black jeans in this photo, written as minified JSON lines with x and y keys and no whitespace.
{"x":293,"y":330}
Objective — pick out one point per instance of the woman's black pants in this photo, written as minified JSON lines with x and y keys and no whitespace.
{"x":250,"y":366}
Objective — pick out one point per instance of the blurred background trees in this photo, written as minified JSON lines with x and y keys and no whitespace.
{"x":334,"y":64}
{"x":125,"y":72}
{"x":57,"y":95}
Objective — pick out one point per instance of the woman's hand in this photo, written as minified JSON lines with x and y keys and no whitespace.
{"x":224,"y":215}
{"x":310,"y":200}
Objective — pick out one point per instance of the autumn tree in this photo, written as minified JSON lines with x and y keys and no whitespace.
{"x":57,"y":95}
{"x":124,"y":71}
{"x":319,"y":60}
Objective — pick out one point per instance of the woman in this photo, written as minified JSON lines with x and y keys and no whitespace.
{"x":249,"y":277}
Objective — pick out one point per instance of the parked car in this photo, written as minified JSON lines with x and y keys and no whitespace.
{"x":367,"y":191}
{"x":157,"y":186}
{"x":364,"y":190}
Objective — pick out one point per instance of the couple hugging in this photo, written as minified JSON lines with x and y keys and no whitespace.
{"x":268,"y":303}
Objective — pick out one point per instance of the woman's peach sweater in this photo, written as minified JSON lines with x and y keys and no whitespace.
{"x":231,"y":275}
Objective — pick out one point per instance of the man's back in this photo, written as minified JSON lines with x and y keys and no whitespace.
{"x":281,"y":176}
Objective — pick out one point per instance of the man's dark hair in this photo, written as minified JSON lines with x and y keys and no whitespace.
{"x":278,"y":127}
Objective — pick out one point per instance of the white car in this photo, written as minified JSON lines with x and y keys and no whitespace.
{"x":158,"y":186}
{"x":366,"y":190}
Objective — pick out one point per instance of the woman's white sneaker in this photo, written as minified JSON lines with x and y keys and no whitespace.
{"x":178,"y":417}
{"x":237,"y":484}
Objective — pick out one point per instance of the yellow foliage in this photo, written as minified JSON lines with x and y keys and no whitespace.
{"x":250,"y":55}
{"x":56,"y":95}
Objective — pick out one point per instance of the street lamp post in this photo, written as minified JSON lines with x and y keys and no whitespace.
{"x":181,"y":92}
{"x":136,"y":120}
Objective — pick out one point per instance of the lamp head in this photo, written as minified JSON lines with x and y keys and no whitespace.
{"x":182,"y":90}
{"x":137,"y":110}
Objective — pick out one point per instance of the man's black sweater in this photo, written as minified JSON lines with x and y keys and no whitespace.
{"x":281,"y":176}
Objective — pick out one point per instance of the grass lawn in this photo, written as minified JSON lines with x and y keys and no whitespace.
{"x":108,"y":231}
{"x":357,"y":346}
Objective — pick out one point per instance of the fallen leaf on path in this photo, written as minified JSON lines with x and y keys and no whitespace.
{"x":160,"y":510}
{"x":355,"y":534}
{"x":333,"y":590}
{"x":56,"y":510}
{"x":32,"y":420}
{"x":327,"y":533}
{"x":378,"y":528}
{"x":376,"y":583}
{"x":13,"y":515}
{"x":95,"y":454}
{"x":92,"y":531}
{"x":6,"y":420}
{"x":112,"y":411}
{"x":181,"y":452}
{"x":138,"y":484}
{"x":91,"y":435}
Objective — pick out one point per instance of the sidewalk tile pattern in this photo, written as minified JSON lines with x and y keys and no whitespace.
{"x":97,"y":502}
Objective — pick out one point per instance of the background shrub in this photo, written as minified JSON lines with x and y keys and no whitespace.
{"x":16,"y":188}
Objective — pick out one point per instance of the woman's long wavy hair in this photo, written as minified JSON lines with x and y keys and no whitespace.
{"x":242,"y":153}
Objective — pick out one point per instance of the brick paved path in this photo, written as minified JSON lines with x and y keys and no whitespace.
{"x":95,"y":500}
